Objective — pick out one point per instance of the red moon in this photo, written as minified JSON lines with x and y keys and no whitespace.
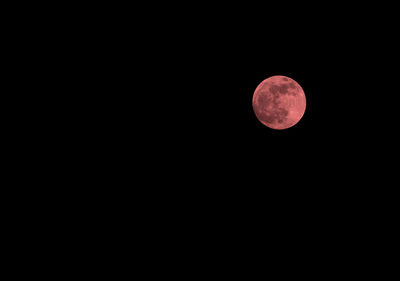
{"x":279,"y":102}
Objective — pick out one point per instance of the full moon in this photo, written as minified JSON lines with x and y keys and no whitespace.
{"x":279,"y":102}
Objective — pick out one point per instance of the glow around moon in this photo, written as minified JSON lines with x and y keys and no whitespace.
{"x":279,"y":102}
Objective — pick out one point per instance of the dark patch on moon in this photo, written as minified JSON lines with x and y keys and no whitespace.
{"x":281,"y":114}
{"x":267,"y":117}
{"x":277,"y":115}
{"x":268,"y":102}
{"x":264,"y":99}
{"x":264,"y":87}
{"x":275,"y":102}
{"x":274,"y":89}
{"x":283,"y":88}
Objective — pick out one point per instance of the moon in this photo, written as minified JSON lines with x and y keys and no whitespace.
{"x":279,"y":102}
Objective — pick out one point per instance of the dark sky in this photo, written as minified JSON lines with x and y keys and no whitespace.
{"x":173,"y":91}
{"x":145,"y":121}
{"x":138,"y":122}
{"x":188,"y":79}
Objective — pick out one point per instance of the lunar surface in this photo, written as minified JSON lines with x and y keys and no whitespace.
{"x":279,"y":102}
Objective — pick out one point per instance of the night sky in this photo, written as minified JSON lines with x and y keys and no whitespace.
{"x":141,"y":122}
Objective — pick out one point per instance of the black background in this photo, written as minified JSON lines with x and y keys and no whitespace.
{"x":145,"y":123}
{"x":167,"y":109}
{"x":168,"y":96}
